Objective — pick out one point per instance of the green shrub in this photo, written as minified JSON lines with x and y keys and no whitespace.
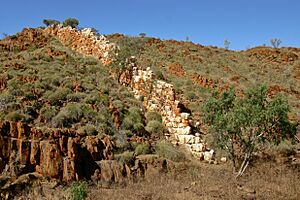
{"x":155,"y":128}
{"x":69,"y":114}
{"x":252,"y":120}
{"x":76,"y":97}
{"x":167,"y":150}
{"x":88,"y":130}
{"x":285,"y":148}
{"x":49,"y":22}
{"x":71,"y":22}
{"x":57,"y":97}
{"x":142,"y":149}
{"x":190,"y":95}
{"x":15,"y":116}
{"x":126,"y":157}
{"x":139,"y":127}
{"x":47,"y":113}
{"x":78,"y":191}
{"x":153,"y":116}
{"x":132,"y":117}
{"x":6,"y":99}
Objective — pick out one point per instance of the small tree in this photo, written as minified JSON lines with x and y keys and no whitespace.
{"x":49,"y":22}
{"x":238,"y":125}
{"x":275,"y":42}
{"x":142,"y":35}
{"x":226,"y":44}
{"x":71,"y":22}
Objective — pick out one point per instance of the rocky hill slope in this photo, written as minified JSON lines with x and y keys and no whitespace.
{"x":196,"y":70}
{"x":69,"y":111}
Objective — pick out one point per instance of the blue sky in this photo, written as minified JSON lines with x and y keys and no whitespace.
{"x":208,"y":22}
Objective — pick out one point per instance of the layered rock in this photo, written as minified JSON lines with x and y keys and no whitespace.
{"x":160,"y":96}
{"x":86,"y":42}
{"x":60,"y":154}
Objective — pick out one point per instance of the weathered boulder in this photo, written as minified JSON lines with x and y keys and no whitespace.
{"x":111,"y":171}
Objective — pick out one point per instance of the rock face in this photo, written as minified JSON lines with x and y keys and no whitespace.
{"x":160,"y":96}
{"x":86,"y":42}
{"x":60,"y":154}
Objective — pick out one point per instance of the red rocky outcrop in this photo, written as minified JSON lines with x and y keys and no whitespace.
{"x":60,"y":154}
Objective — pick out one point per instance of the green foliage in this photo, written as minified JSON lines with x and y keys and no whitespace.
{"x":129,"y":46}
{"x":71,"y":113}
{"x":155,"y":128}
{"x":142,"y":35}
{"x":142,"y":149}
{"x":240,"y":124}
{"x":167,"y":150}
{"x":6,"y":99}
{"x":49,"y":22}
{"x":285,"y":148}
{"x":153,"y":116}
{"x":57,"y":97}
{"x":47,"y":113}
{"x":78,"y":191}
{"x":88,"y":130}
{"x":126,"y":157}
{"x":133,"y":119}
{"x":71,"y":22}
{"x":15,"y":116}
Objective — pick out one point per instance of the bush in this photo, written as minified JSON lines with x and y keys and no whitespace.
{"x":240,"y":125}
{"x":153,"y":116}
{"x":142,"y":149}
{"x":15,"y":116}
{"x":57,"y":97}
{"x":132,"y":117}
{"x":155,"y":128}
{"x":285,"y":148}
{"x":78,"y":191}
{"x":139,"y":127}
{"x":6,"y":99}
{"x":49,"y":22}
{"x":88,"y":130}
{"x":129,"y":46}
{"x":126,"y":157}
{"x":72,"y":113}
{"x":47,"y":113}
{"x":71,"y":22}
{"x":167,"y":150}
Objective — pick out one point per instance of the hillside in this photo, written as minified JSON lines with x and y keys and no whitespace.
{"x":196,"y":70}
{"x":75,"y":106}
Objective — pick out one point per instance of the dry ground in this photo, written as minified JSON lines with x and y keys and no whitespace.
{"x":194,"y":180}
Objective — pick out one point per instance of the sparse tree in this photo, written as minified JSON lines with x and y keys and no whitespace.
{"x":49,"y":22}
{"x":239,"y":125}
{"x":275,"y":42}
{"x":71,"y":22}
{"x":226,"y":43}
{"x":142,"y":35}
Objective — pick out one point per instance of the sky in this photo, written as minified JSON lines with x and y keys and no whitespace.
{"x":245,"y":23}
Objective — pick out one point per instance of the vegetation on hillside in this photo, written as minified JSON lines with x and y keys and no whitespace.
{"x":239,"y":125}
{"x":48,"y":85}
{"x":196,"y":70}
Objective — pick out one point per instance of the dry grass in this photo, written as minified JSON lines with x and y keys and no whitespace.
{"x":195,"y":180}
{"x":203,"y":181}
